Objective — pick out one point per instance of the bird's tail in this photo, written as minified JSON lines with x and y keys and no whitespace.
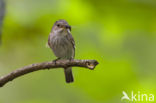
{"x":68,"y":75}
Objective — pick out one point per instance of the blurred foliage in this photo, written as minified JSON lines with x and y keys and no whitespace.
{"x":2,"y":12}
{"x":120,"y":34}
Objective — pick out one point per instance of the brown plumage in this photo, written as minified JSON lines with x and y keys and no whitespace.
{"x":62,"y":44}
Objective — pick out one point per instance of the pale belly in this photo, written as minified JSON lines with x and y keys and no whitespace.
{"x":62,"y":47}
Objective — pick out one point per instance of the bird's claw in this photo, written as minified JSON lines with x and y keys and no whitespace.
{"x":71,"y":59}
{"x":56,"y":60}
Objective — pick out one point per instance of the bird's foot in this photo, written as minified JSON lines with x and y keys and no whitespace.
{"x":56,"y":60}
{"x":71,"y":59}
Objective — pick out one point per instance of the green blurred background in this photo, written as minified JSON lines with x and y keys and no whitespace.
{"x":120,"y":34}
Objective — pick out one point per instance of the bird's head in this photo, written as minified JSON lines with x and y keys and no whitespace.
{"x":61,"y":26}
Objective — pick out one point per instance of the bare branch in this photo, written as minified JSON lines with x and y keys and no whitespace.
{"x":47,"y":65}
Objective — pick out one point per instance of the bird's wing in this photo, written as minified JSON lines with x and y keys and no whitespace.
{"x":47,"y":45}
{"x":71,"y":39}
{"x":49,"y":40}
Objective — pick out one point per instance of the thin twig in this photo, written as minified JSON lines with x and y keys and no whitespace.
{"x":47,"y":65}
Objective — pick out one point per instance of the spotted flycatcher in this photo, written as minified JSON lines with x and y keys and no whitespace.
{"x":62,"y":44}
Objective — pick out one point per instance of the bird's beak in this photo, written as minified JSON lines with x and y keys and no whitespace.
{"x":68,"y":27}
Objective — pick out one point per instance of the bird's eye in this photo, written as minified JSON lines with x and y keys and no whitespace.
{"x":58,"y":25}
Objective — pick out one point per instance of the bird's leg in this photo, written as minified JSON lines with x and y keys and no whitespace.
{"x":70,"y":59}
{"x":56,"y":60}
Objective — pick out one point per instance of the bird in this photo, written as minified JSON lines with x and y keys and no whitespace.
{"x":62,"y":44}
